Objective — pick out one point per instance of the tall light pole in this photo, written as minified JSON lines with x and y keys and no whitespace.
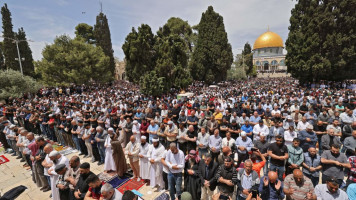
{"x":18,"y":50}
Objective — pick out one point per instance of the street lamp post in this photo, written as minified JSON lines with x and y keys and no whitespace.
{"x":18,"y":53}
{"x":18,"y":50}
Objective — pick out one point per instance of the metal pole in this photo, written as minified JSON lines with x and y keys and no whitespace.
{"x":18,"y":53}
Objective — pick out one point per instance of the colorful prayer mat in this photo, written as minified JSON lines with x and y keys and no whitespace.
{"x":3,"y":159}
{"x":132,"y":184}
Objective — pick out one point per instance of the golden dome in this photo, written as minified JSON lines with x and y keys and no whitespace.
{"x":268,"y":39}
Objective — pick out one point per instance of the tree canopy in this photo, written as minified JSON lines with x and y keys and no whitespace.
{"x":8,"y":47}
{"x":73,"y":61}
{"x":212,"y":56}
{"x":13,"y":84}
{"x":103,"y":39}
{"x":86,"y":32}
{"x":322,"y":40}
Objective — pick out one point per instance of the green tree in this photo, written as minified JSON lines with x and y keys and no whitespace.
{"x":321,"y":40}
{"x":172,"y":49}
{"x":212,"y":56}
{"x":26,"y":53}
{"x":236,"y":73}
{"x":86,"y":32}
{"x":247,"y":58}
{"x":139,"y":52}
{"x":103,"y":39}
{"x":9,"y":48}
{"x":13,"y":84}
{"x":73,"y":61}
{"x":151,"y":84}
{"x":177,"y":26}
{"x":2,"y":61}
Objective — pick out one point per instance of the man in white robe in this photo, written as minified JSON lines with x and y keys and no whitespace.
{"x":136,"y":130}
{"x":155,"y":154}
{"x":109,"y":164}
{"x":57,"y":159}
{"x":144,"y":162}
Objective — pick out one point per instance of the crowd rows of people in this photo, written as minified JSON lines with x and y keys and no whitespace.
{"x":261,"y":138}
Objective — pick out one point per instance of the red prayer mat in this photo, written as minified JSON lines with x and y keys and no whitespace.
{"x":3,"y":159}
{"x":132,"y":184}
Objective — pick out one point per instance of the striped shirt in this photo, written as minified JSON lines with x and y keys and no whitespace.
{"x":300,"y":191}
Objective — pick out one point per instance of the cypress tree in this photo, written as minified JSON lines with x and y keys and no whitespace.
{"x":26,"y":53}
{"x":2,"y":61}
{"x":247,"y":58}
{"x":103,"y":39}
{"x":212,"y":56}
{"x":9,"y":48}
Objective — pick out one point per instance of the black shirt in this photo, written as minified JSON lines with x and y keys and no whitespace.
{"x":82,"y":185}
{"x":277,"y":150}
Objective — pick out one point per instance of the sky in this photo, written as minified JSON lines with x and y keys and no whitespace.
{"x":244,"y":20}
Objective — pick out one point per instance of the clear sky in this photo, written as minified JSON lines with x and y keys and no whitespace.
{"x":244,"y":20}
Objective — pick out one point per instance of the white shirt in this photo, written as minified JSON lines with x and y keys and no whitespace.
{"x":228,"y":143}
{"x":302,"y":126}
{"x":289,"y":136}
{"x":175,"y":159}
{"x":258,"y":129}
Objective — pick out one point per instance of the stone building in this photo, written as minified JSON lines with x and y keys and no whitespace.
{"x":268,"y":52}
{"x":120,"y":69}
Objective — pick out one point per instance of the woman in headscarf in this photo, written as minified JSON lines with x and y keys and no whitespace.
{"x":192,"y":182}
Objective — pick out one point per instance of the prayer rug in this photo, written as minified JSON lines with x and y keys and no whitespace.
{"x":132,"y":184}
{"x":3,"y":159}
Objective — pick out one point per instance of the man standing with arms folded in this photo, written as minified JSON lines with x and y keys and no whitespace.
{"x":175,"y":162}
{"x":334,"y":163}
{"x":312,"y":165}
{"x":215,"y":144}
{"x":278,"y":153}
{"x":202,"y":142}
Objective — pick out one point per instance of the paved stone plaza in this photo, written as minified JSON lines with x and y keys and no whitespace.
{"x":13,"y":174}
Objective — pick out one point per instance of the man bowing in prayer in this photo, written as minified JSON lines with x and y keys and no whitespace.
{"x":57,"y":159}
{"x":109,"y":164}
{"x":144,"y":163}
{"x":132,"y":150}
{"x":155,"y":153}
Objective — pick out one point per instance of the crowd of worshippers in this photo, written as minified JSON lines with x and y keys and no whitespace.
{"x":258,"y":139}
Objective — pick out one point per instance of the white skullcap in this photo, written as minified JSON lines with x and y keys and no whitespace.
{"x":135,"y":122}
{"x":53,"y":153}
{"x":68,"y":117}
{"x":155,"y":140}
{"x":143,"y":137}
{"x":110,"y":129}
{"x":243,"y":134}
{"x":170,"y":122}
{"x":310,"y":126}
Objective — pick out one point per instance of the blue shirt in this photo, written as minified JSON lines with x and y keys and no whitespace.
{"x":351,"y":191}
{"x":255,"y":119}
{"x":247,"y":129}
{"x":303,"y":143}
{"x":311,"y":162}
{"x":245,"y":143}
{"x":269,"y":192}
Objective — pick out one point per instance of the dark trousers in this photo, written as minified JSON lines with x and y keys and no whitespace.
{"x":314,"y":180}
{"x":324,"y":178}
{"x":83,"y":148}
{"x":96,"y":152}
{"x":165,"y":179}
{"x":215,"y":156}
{"x":183,"y":147}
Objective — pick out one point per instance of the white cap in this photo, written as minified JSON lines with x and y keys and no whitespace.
{"x":243,"y":134}
{"x":53,"y":153}
{"x":12,"y":126}
{"x":155,"y":140}
{"x":170,"y":122}
{"x":310,"y":126}
{"x":135,"y":122}
{"x":110,"y":129}
{"x":143,"y":137}
{"x":68,"y":117}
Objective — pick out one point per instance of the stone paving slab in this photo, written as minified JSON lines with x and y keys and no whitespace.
{"x":13,"y":174}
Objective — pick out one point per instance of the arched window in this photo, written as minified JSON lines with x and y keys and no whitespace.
{"x":274,"y":63}
{"x":282,"y":63}
{"x":258,"y":63}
